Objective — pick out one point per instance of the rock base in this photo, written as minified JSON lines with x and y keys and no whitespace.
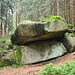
{"x":41,"y":51}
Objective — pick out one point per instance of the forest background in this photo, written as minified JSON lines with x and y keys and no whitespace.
{"x":12,"y":12}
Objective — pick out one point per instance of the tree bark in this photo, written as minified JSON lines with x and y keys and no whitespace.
{"x":1,"y":17}
{"x":58,"y":13}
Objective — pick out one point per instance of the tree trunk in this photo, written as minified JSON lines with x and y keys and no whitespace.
{"x":72,"y":11}
{"x":1,"y":17}
{"x":58,"y":13}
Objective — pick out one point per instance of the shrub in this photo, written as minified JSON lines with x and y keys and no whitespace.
{"x":16,"y":56}
{"x":66,"y":69}
{"x":4,"y":42}
{"x":14,"y":60}
{"x":5,"y":62}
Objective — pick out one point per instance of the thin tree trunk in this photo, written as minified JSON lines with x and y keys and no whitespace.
{"x":1,"y":17}
{"x":58,"y":13}
{"x":72,"y":11}
{"x":6,"y":24}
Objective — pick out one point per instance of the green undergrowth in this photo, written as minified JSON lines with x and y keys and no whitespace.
{"x":49,"y":19}
{"x":5,"y":62}
{"x":16,"y":56}
{"x":8,"y":63}
{"x":66,"y":69}
{"x":4,"y":43}
{"x":14,"y":59}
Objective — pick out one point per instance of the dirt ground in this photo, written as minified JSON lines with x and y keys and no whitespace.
{"x":31,"y":69}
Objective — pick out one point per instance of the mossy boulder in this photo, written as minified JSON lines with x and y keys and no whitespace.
{"x":29,"y":31}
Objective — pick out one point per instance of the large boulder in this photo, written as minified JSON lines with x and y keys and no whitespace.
{"x":69,"y":43}
{"x":41,"y":51}
{"x":32,"y":31}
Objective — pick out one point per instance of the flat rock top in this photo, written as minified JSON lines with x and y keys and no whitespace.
{"x":29,"y":31}
{"x":32,"y":29}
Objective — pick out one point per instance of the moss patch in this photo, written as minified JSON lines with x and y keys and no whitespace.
{"x":70,"y":26}
{"x":49,"y":19}
{"x":70,"y":34}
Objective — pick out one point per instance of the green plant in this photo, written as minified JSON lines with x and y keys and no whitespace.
{"x":16,"y":56}
{"x":49,"y":19}
{"x":14,"y":59}
{"x":70,"y":26}
{"x":5,"y":62}
{"x":66,"y":69}
{"x":4,"y":42}
{"x":70,"y":34}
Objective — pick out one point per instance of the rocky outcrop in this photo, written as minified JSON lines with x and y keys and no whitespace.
{"x":34,"y":35}
{"x":31,"y":31}
{"x":69,"y":43}
{"x":41,"y":51}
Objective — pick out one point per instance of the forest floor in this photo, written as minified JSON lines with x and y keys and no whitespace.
{"x":31,"y":69}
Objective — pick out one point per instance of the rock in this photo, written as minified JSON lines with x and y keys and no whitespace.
{"x":30,"y":29}
{"x":33,"y":31}
{"x":41,"y":51}
{"x":69,"y":43}
{"x":56,"y":26}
